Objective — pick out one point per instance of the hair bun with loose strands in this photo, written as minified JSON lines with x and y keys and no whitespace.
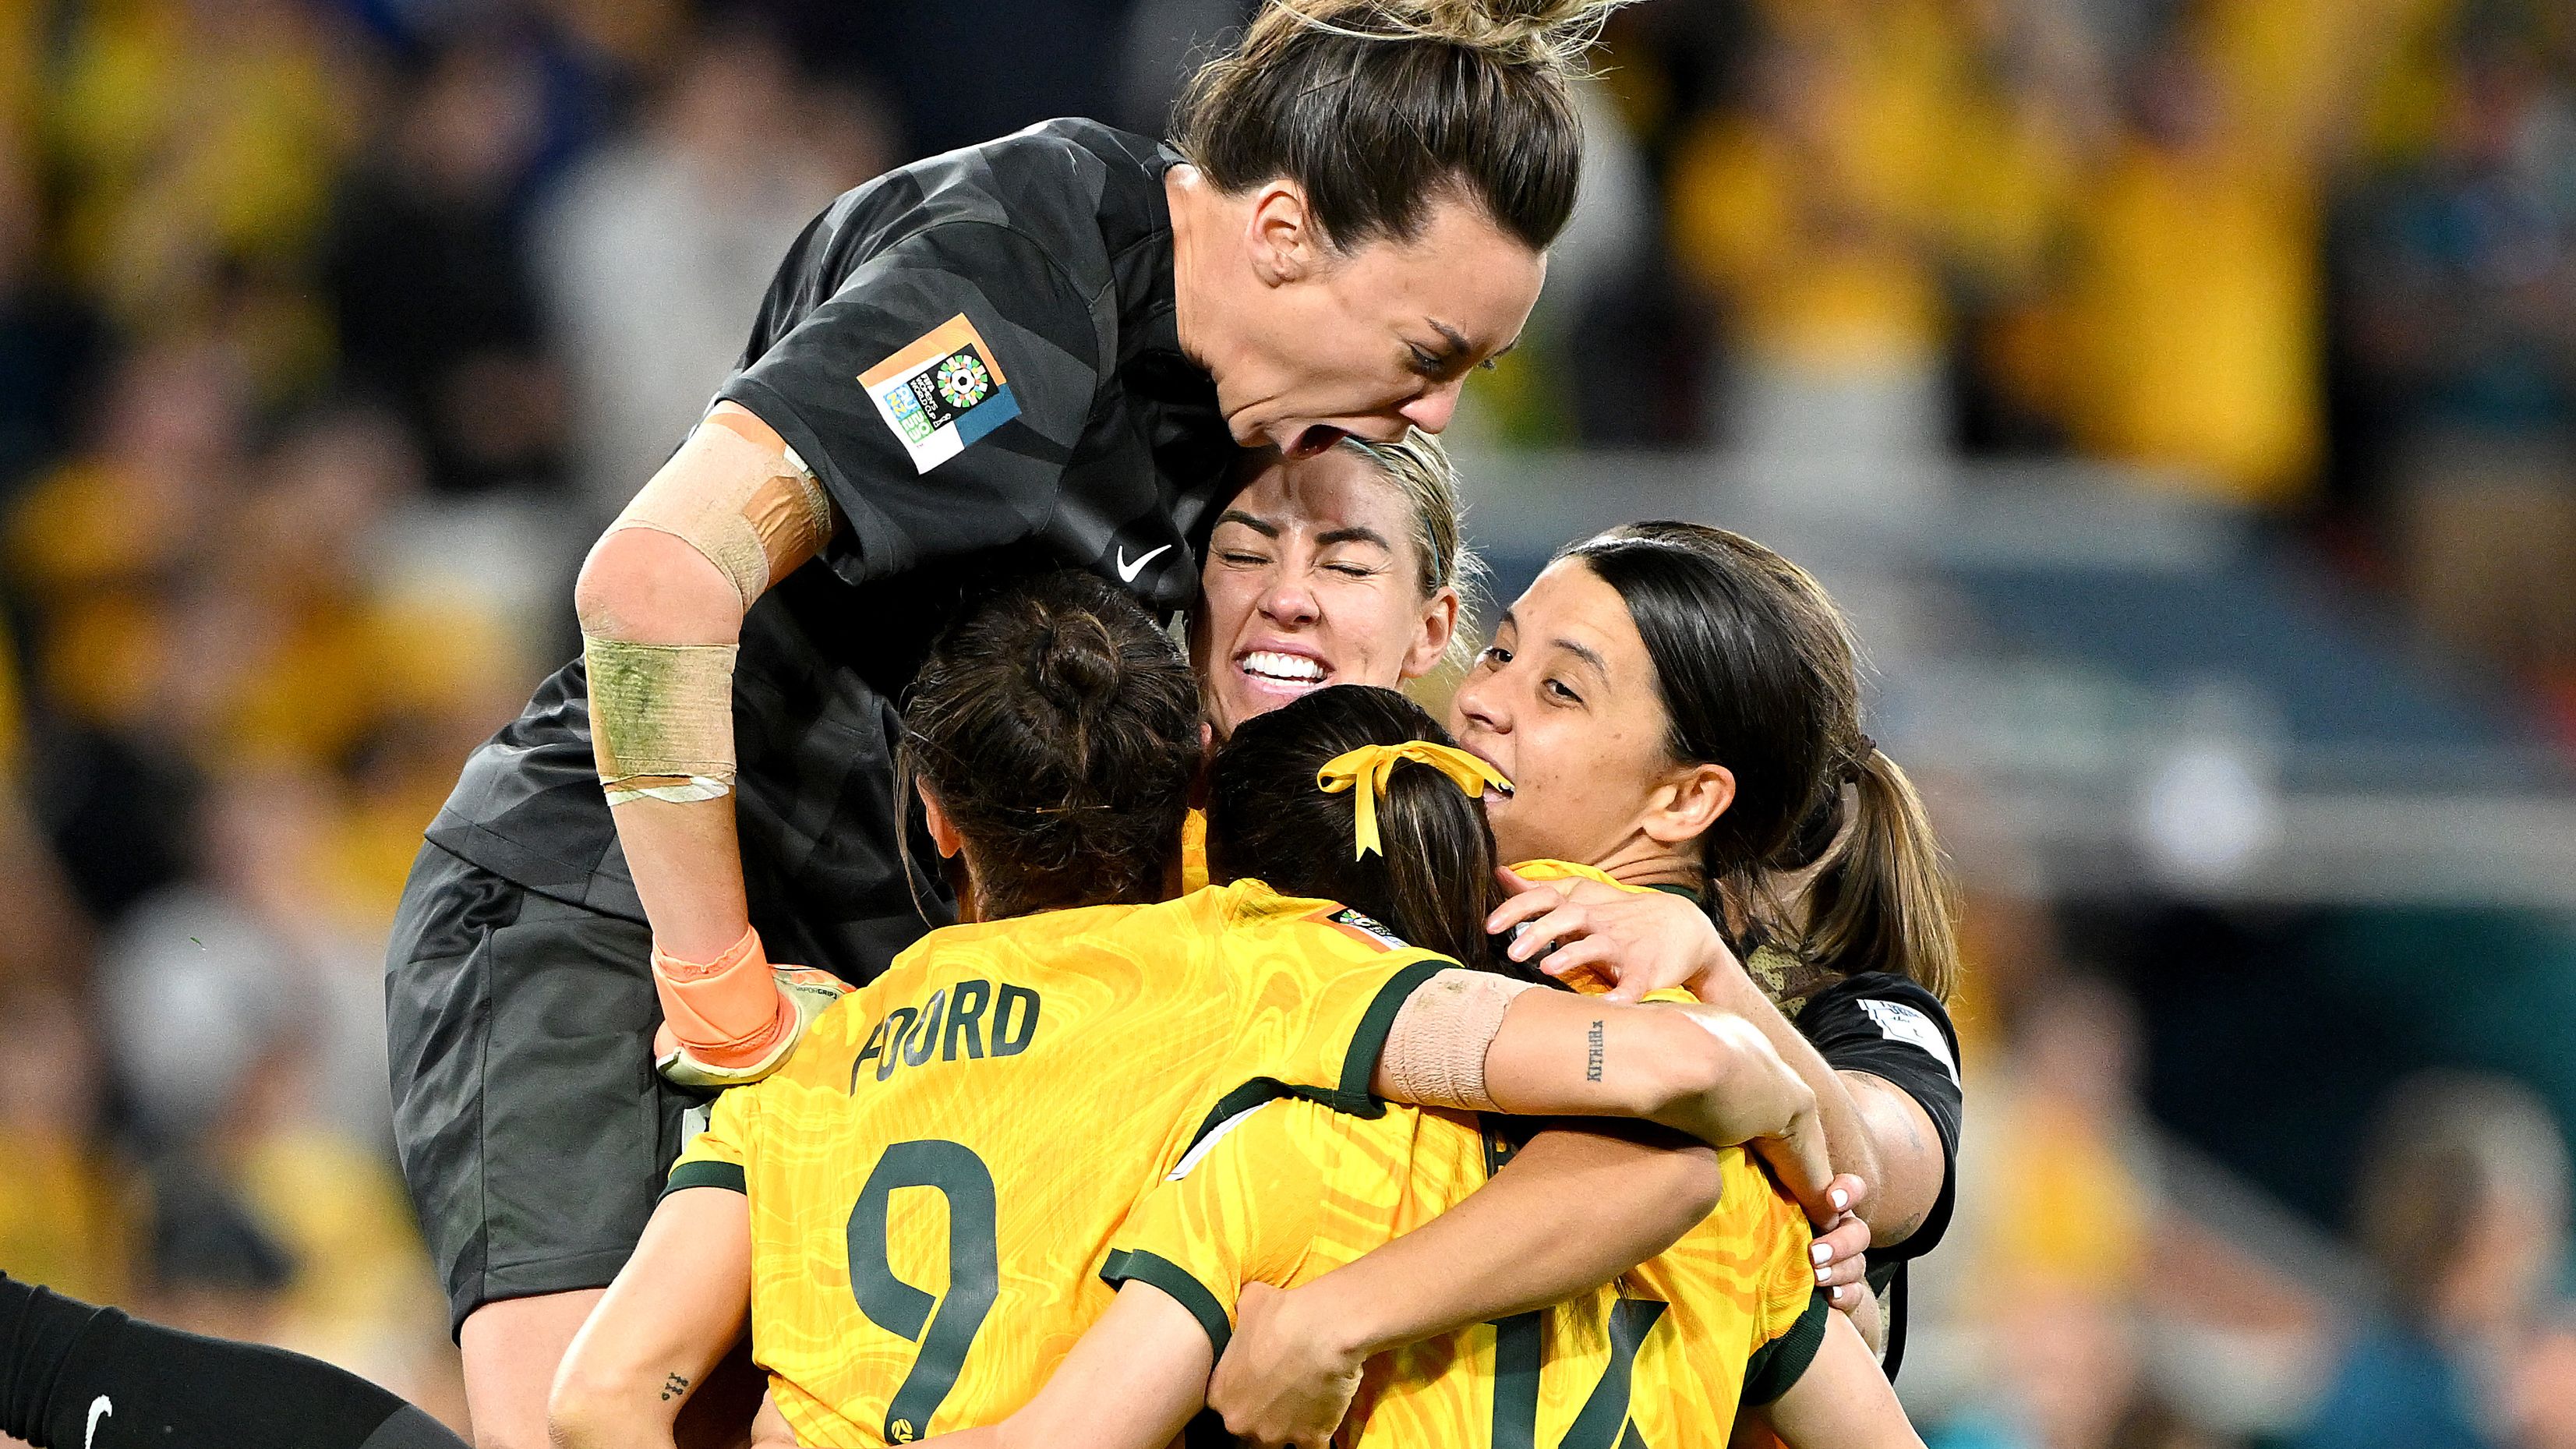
{"x":1379,"y":108}
{"x":1546,"y":34}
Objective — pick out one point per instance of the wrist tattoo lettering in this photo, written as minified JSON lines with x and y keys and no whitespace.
{"x":1592,"y":1054}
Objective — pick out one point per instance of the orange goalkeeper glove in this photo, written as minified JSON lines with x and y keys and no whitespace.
{"x":733,"y":1020}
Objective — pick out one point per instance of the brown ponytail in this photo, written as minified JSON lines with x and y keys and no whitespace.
{"x":1883,"y":900}
{"x":1826,"y":849}
{"x":1059,"y":730}
{"x":1378,"y":107}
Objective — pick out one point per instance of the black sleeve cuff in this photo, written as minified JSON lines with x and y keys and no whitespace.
{"x":1174,"y":1279}
{"x":1776,"y":1367}
{"x":726,"y":1175}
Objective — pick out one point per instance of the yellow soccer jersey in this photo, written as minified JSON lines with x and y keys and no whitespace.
{"x":1541,"y":870}
{"x":1194,"y":867}
{"x":1289,"y":1190}
{"x":935,"y":1175}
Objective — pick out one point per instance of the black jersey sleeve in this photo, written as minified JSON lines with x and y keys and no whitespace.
{"x":1893,"y":1029}
{"x":938,"y":393}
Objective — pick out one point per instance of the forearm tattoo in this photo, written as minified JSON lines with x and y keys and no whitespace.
{"x":1593,"y":1052}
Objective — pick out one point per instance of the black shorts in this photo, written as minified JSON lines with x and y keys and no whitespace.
{"x":533,"y":1131}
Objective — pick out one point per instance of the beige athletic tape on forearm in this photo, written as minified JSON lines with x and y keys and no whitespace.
{"x":766,"y":516}
{"x":1435,"y":1053}
{"x":661,"y":719}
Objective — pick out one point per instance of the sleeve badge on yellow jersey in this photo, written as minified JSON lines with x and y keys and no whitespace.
{"x":940,"y":392}
{"x":1367,"y":928}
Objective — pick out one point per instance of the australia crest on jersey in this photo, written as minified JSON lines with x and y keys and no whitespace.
{"x":941,"y":392}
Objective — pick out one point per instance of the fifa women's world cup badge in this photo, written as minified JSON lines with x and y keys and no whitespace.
{"x":941,"y":392}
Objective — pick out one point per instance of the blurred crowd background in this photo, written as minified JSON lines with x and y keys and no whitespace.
{"x":2181,"y":394}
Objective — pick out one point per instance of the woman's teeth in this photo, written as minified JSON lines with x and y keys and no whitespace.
{"x":1283,"y":668}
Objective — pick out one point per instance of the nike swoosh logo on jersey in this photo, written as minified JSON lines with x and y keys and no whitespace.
{"x":99,"y":1408}
{"x":1127,"y":571}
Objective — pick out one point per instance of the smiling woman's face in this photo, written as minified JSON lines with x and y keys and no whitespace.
{"x":1313,"y":578}
{"x":1564,"y":703}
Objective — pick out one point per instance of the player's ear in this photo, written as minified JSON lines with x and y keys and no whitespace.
{"x":1281,"y":236}
{"x":1688,"y":803}
{"x":943,"y":831}
{"x":1439,"y":625}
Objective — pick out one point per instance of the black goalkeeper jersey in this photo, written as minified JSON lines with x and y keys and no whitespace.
{"x":978,"y":357}
{"x":1888,"y":1026}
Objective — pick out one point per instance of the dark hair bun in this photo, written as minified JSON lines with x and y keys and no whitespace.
{"x":1549,"y":33}
{"x":1058,"y":727}
{"x":1077,"y":663}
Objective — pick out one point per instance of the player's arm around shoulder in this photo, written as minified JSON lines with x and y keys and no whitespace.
{"x":1696,"y":1069}
{"x":1570,"y":1211}
{"x":1132,"y":1381}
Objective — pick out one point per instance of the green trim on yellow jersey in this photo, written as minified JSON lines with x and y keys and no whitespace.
{"x":726,"y":1175}
{"x":1776,"y":1367}
{"x":1368,"y":1043}
{"x":1143,"y":1267}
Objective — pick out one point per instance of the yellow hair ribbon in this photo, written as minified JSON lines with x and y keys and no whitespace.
{"x":1375,"y":764}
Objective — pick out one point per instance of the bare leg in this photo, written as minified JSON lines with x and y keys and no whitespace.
{"x":512,"y":1349}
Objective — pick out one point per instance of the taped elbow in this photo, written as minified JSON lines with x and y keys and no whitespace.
{"x":657,"y":623}
{"x":650,"y":588}
{"x":609,"y":594}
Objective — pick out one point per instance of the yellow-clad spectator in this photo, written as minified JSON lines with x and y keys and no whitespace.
{"x":1812,"y":213}
{"x":361,"y":1295}
{"x":2194,"y":324}
{"x":21,"y":23}
{"x":1889,"y":154}
{"x":191,"y":135}
{"x":64,"y":1208}
{"x":93,"y":547}
{"x":279,"y":647}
